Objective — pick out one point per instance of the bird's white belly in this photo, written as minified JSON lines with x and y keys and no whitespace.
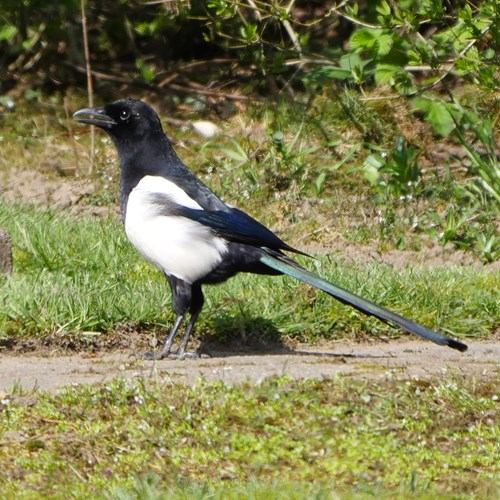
{"x":175,"y":244}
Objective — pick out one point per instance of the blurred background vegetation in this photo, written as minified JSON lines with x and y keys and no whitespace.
{"x":265,"y":47}
{"x":399,"y":97}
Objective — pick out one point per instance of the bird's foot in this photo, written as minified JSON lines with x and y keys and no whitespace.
{"x":156,"y":356}
{"x":183,"y":355}
{"x":148,"y":355}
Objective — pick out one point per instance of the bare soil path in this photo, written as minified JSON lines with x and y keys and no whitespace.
{"x":395,"y":359}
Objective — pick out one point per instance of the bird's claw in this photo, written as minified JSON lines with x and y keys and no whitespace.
{"x":148,"y":355}
{"x":156,"y":356}
{"x":183,"y":355}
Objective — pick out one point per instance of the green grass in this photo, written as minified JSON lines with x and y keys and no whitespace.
{"x":422,"y":439}
{"x":74,"y":275}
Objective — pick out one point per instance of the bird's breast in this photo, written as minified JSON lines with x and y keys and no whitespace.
{"x":175,"y":244}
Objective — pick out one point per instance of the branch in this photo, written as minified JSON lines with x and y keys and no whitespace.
{"x":90,"y":89}
{"x":188,"y":89}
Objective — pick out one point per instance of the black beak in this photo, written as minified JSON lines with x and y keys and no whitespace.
{"x":94,"y":116}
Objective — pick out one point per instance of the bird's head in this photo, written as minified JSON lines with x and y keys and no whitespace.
{"x":126,"y":120}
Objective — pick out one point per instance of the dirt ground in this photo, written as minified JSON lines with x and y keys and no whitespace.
{"x":374,"y":360}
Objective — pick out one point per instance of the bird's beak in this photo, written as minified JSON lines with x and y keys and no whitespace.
{"x":94,"y":116}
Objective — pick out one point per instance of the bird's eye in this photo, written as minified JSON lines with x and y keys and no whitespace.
{"x":124,"y":115}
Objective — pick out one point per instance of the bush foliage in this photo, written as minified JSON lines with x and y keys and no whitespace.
{"x":407,"y":45}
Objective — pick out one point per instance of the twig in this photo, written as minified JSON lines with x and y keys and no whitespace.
{"x":291,"y":33}
{"x":459,"y":56}
{"x":192,"y":64}
{"x":90,"y":90}
{"x":77,"y":474}
{"x":70,"y":128}
{"x":384,"y":97}
{"x":336,"y":10}
{"x":173,"y":86}
{"x":257,"y":13}
{"x":316,"y":231}
{"x":21,"y":63}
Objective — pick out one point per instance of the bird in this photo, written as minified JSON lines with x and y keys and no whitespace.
{"x":183,"y":228}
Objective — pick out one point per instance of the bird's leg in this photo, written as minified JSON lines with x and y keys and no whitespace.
{"x":187,"y":297}
{"x":168,"y":342}
{"x":171,"y":336}
{"x":196,"y":304}
{"x":181,"y":351}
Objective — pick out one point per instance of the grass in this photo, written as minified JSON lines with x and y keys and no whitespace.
{"x":350,"y":437}
{"x":79,"y":274}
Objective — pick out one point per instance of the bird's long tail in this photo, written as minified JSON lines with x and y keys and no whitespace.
{"x":361,"y":304}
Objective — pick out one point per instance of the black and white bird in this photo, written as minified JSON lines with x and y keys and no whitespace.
{"x":179,"y":225}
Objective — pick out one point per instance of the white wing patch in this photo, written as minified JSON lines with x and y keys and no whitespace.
{"x":177,"y":245}
{"x":151,"y":184}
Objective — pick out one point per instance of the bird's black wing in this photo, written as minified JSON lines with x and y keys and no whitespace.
{"x":231,"y":224}
{"x":235,"y":225}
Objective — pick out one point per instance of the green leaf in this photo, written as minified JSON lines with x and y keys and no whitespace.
{"x":371,"y":168}
{"x":437,"y":114}
{"x":362,"y":39}
{"x":384,"y":43}
{"x":346,"y":70}
{"x":237,"y":154}
{"x":249,"y":33}
{"x":384,"y":73}
{"x":148,"y":72}
{"x":7,"y":32}
{"x":318,"y":183}
{"x":339,"y":73}
{"x":350,"y":61}
{"x":7,"y":101}
{"x":384,"y":8}
{"x":375,"y":41}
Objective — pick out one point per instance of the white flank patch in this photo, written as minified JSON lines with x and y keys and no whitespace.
{"x":175,"y":244}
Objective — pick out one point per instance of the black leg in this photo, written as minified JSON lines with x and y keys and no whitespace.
{"x":181,"y":351}
{"x":170,"y":339}
{"x":186,"y":297}
{"x":165,"y":352}
{"x":197,"y":301}
{"x":168,"y":343}
{"x":181,"y":304}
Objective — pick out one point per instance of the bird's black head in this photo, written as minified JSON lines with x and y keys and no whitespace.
{"x":126,"y":120}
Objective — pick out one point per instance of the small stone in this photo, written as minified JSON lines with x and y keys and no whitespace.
{"x":205,"y":128}
{"x":5,"y":252}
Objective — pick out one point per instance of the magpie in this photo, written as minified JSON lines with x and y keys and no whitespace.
{"x":178,"y":224}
